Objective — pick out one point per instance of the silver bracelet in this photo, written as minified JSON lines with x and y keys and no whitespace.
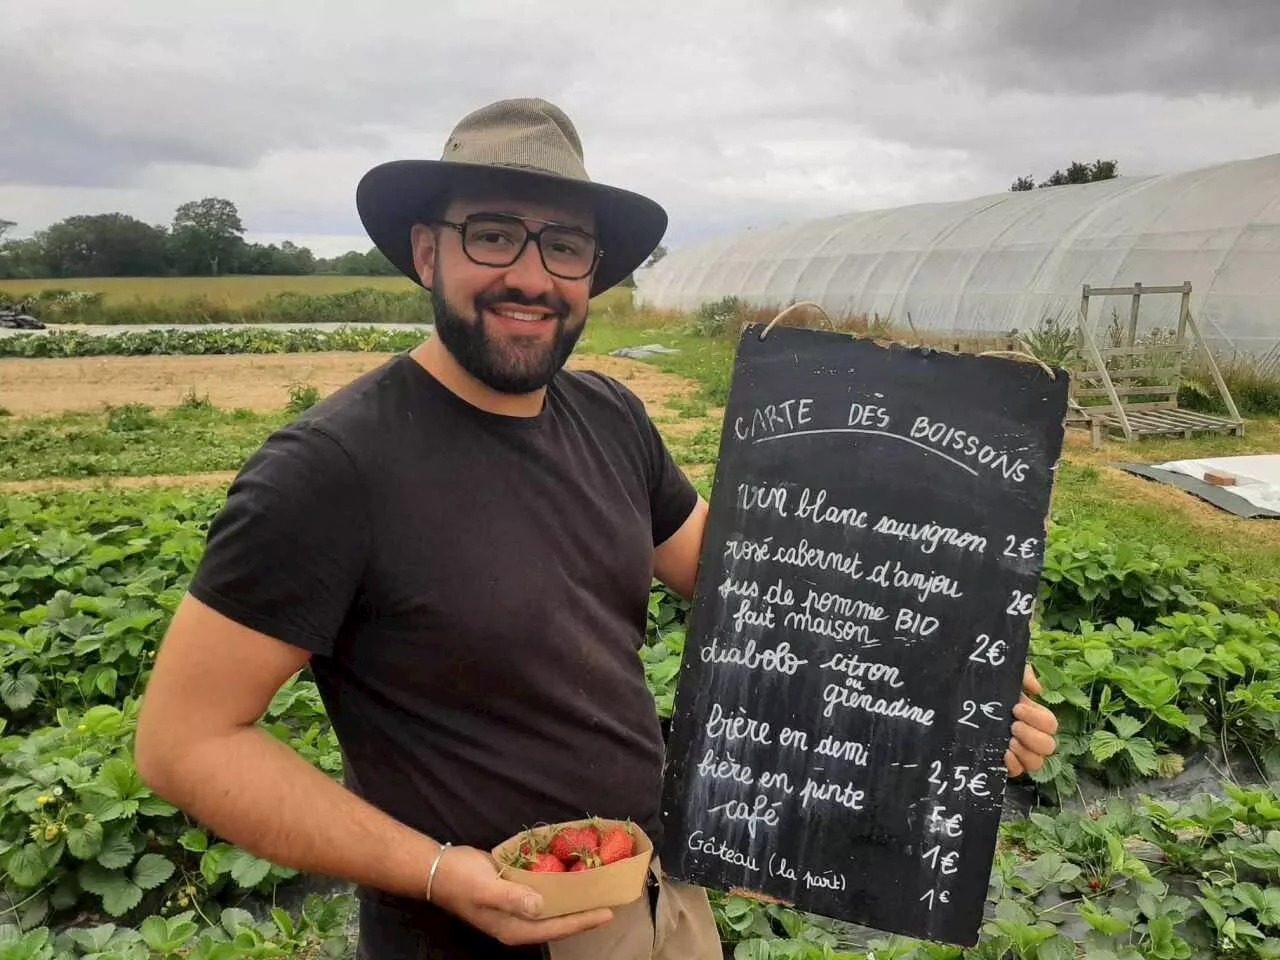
{"x":431,"y":877}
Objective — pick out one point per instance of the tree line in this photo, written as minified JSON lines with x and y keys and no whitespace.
{"x":1077,"y":172}
{"x":205,"y":238}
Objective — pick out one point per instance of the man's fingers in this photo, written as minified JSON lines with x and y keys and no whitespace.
{"x":1030,"y":760}
{"x":1036,"y":715}
{"x":514,"y":932}
{"x":1012,"y":763}
{"x":1030,"y":682}
{"x":557,"y":928}
{"x":1037,"y":741}
{"x":513,"y":898}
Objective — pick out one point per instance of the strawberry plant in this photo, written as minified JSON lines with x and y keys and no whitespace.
{"x":1128,"y":700}
{"x":1089,"y":577}
{"x":318,"y":931}
{"x":79,"y":829}
{"x":664,"y":645}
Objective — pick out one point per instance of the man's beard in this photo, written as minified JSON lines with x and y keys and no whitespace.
{"x":504,"y":367}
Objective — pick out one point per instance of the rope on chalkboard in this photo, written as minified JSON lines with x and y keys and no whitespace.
{"x":1019,"y":355}
{"x":797,"y":306}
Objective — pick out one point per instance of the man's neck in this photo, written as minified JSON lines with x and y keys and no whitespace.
{"x":436,"y":359}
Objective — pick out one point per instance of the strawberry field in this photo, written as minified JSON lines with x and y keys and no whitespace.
{"x":1153,"y":660}
{"x":1153,"y":833}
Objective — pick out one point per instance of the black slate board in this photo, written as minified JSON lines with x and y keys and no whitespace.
{"x":873,"y":794}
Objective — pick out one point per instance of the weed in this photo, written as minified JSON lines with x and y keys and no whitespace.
{"x":190,"y":401}
{"x":302,"y":397}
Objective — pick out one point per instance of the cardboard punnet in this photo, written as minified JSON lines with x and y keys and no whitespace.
{"x":612,"y":885}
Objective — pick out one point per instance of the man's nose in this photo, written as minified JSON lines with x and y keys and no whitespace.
{"x":528,"y":275}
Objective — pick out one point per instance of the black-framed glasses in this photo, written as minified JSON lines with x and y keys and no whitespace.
{"x":498,"y":240}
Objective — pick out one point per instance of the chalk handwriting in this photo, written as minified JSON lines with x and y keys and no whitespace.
{"x":856,"y":667}
{"x":929,"y":896}
{"x":828,"y":880}
{"x":726,"y":768}
{"x":925,"y":585}
{"x":853,"y":750}
{"x":760,"y":811}
{"x":1024,"y":551}
{"x":945,"y":437}
{"x":720,"y":850}
{"x":779,"y":659}
{"x":816,"y":558}
{"x":985,"y":651}
{"x":737,"y":728}
{"x":847,"y":696}
{"x":739,"y":588}
{"x":962,"y":778}
{"x":813,"y":507}
{"x":845,"y":795}
{"x":773,"y":418}
{"x":748,"y":617}
{"x":930,"y":535}
{"x":754,"y":496}
{"x":749,"y":550}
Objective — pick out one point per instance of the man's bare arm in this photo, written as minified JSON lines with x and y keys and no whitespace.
{"x":675,"y":560}
{"x":198,"y":746}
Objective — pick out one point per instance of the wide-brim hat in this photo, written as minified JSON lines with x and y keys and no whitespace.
{"x":528,"y":146}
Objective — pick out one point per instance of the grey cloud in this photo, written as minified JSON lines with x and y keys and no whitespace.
{"x":1167,"y":48}
{"x":733,"y":113}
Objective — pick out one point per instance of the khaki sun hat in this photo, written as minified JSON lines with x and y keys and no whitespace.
{"x":525,"y":145}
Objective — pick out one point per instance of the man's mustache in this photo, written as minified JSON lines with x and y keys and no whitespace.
{"x":555,"y":304}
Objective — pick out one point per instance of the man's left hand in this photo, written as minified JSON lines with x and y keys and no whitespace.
{"x":1034,"y":726}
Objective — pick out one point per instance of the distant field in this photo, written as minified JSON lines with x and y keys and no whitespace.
{"x":233,"y":291}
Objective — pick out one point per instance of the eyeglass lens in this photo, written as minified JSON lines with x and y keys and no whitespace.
{"x":497,"y":242}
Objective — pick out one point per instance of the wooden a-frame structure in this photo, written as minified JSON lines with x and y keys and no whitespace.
{"x":1140,"y":382}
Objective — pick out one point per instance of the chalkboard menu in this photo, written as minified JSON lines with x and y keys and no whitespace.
{"x":857,"y":640}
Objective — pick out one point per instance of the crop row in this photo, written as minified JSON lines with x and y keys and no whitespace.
{"x":73,"y":343}
{"x":1191,"y":656}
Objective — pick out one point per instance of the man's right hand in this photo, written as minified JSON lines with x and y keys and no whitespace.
{"x":467,"y":885}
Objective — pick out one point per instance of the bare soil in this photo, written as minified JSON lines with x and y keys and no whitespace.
{"x":220,"y":479}
{"x":258,"y":382}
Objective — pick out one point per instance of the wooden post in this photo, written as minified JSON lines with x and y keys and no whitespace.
{"x":1185,"y":313}
{"x":1096,"y":358}
{"x":1084,"y":311}
{"x":1213,"y":368}
{"x":1132,"y":337}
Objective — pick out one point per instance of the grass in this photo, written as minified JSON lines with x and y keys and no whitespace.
{"x":196,"y":440}
{"x":235,"y":291}
{"x":133,"y":441}
{"x":1131,"y":508}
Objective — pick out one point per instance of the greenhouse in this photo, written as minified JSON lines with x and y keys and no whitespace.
{"x":1010,"y":261}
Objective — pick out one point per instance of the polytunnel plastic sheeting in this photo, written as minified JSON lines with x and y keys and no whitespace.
{"x":1009,"y":261}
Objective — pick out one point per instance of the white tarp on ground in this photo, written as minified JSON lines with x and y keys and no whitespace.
{"x":1257,"y":477}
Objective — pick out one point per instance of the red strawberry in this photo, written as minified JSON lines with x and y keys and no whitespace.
{"x":570,"y":844}
{"x":617,"y":843}
{"x":546,"y":863}
{"x":579,"y":867}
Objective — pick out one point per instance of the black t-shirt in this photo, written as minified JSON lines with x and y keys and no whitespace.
{"x":473,"y":589}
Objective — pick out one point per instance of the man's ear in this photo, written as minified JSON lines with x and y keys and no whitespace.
{"x":425,"y":247}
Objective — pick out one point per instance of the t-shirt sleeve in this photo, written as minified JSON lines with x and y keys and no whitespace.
{"x":672,"y":496}
{"x":286,"y":553}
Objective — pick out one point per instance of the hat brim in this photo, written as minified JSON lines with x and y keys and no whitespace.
{"x":393,"y":196}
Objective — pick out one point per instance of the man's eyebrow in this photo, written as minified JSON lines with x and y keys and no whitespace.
{"x":520,"y":216}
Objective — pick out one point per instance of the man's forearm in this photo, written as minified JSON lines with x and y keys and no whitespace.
{"x":254,"y":791}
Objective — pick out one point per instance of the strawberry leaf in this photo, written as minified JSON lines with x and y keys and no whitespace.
{"x":151,"y":870}
{"x":117,"y":850}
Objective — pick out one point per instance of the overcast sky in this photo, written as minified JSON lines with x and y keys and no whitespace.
{"x":731,"y":114}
